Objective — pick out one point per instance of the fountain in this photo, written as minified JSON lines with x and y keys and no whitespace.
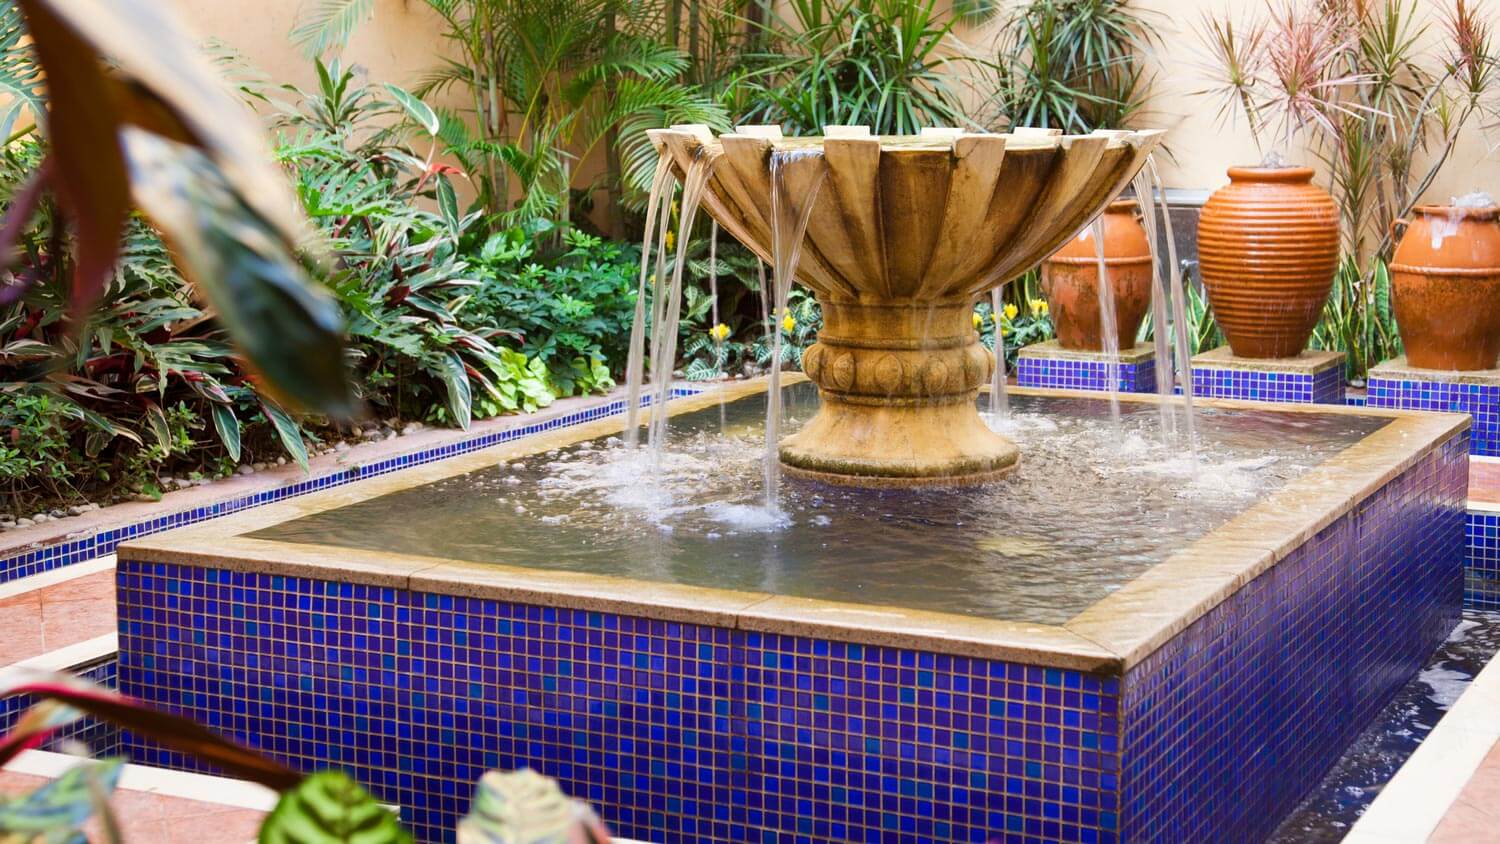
{"x":905,"y":233}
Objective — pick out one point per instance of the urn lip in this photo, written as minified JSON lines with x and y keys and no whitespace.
{"x":1257,"y":173}
{"x":1459,"y":212}
{"x":929,"y":139}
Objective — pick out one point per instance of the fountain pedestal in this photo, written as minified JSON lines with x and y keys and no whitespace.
{"x":1397,"y":384}
{"x":1050,"y":365}
{"x":1314,"y":376}
{"x":898,"y":381}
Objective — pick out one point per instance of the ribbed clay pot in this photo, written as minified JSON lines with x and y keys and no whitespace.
{"x":1445,"y":287}
{"x":1268,"y":246}
{"x":1070,"y":281}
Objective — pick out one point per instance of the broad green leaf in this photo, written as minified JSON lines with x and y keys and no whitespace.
{"x":228,"y":427}
{"x":289,"y":432}
{"x":419,"y":111}
{"x":330,"y":808}
{"x":456,"y":378}
{"x":448,"y":204}
{"x":156,"y":418}
{"x":56,"y":811}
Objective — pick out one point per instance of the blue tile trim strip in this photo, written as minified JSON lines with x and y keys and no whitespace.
{"x":1480,"y":401}
{"x":79,"y":550}
{"x":684,"y":732}
{"x":1326,"y":387}
{"x":1482,"y":562}
{"x":1071,"y":374}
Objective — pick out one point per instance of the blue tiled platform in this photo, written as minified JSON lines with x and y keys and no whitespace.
{"x":1051,"y":366}
{"x":1315,"y":377}
{"x":1395,"y":384}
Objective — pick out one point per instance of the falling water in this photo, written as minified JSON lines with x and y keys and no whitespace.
{"x":656,"y":215}
{"x":1109,"y":333}
{"x":788,"y":224}
{"x":1159,"y":325}
{"x":713,"y":278}
{"x":999,"y":403}
{"x":1179,"y":313}
{"x":664,"y":330}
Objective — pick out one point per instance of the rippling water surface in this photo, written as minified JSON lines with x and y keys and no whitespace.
{"x":1091,"y":506}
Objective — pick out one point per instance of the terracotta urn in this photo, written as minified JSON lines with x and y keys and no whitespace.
{"x":1070,"y":281}
{"x":1268,"y":246}
{"x":1445,"y":287}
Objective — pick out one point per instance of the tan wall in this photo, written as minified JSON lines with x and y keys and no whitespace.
{"x":399,"y":44}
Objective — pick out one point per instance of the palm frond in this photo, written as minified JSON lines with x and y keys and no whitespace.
{"x":330,"y":24}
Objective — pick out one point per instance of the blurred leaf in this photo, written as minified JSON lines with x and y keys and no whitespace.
{"x":448,"y":205}
{"x":228,"y":427}
{"x":524,"y":807}
{"x":330,"y":808}
{"x":156,"y":418}
{"x":88,"y":172}
{"x":65,"y":696}
{"x":290,"y":331}
{"x":329,"y":25}
{"x":56,"y":811}
{"x":289,"y":432}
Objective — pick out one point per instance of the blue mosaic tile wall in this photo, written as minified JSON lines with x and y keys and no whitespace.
{"x":1229,"y":724}
{"x":1480,"y":401}
{"x":682,"y":732}
{"x":83,"y":549}
{"x":1482,"y":541}
{"x":1061,"y":374}
{"x":1326,"y":387}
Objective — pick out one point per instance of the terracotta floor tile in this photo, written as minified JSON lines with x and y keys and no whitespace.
{"x":1484,"y":481}
{"x":147,"y":818}
{"x":63,"y":614}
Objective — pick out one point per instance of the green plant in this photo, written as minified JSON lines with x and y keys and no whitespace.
{"x":56,"y":812}
{"x":1074,"y":65}
{"x":571,"y":308}
{"x":1358,"y":319}
{"x":328,"y":806}
{"x":799,"y":326}
{"x":549,"y":81}
{"x":405,"y":286}
{"x":524,"y":807}
{"x":885,"y":64}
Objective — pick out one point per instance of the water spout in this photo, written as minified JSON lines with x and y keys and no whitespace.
{"x":656,"y":224}
{"x":999,"y":402}
{"x":1109,"y":331}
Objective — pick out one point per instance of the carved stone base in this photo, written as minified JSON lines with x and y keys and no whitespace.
{"x":899,"y":383}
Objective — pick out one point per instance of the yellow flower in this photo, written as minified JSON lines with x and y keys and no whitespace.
{"x":1011,"y":310}
{"x":719,"y":333}
{"x":1038,"y":307}
{"x":788,"y":322}
{"x":671,"y":239}
{"x":978,"y":320}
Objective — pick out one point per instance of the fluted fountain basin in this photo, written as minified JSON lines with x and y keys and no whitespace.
{"x":903,"y":235}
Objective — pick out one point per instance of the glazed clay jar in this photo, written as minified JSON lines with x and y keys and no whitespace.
{"x":1070,"y":281}
{"x":1268,"y":246}
{"x":1445,"y":287}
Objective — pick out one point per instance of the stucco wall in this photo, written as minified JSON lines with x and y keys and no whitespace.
{"x":399,"y":43}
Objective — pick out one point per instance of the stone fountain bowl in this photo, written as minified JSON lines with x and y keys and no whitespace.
{"x":904,"y":234}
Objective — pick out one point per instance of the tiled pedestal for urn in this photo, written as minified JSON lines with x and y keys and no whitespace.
{"x":1050,"y":365}
{"x":1315,"y":377}
{"x":1477,"y":393}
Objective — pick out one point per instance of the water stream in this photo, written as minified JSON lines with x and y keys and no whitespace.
{"x":1179,"y":313}
{"x":1109,"y":331}
{"x":999,"y":402}
{"x":662,"y":184}
{"x":789,"y":218}
{"x":1160,"y":336}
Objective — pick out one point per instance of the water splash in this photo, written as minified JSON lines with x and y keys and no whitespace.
{"x":999,"y":402}
{"x":1109,"y":332}
{"x":789,"y":219}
